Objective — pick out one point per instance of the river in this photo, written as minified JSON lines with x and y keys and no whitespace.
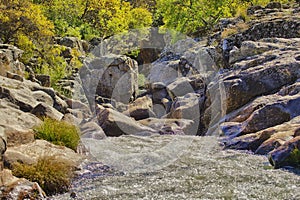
{"x":178,"y":167}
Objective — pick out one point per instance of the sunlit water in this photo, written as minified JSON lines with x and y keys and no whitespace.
{"x":179,"y":167}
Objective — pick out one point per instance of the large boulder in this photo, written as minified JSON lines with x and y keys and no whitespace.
{"x":116,"y":124}
{"x":11,"y":116}
{"x":92,"y":130}
{"x":287,"y":154}
{"x":110,"y":76}
{"x":43,"y":110}
{"x":31,"y":152}
{"x":17,"y":93}
{"x":188,"y":107}
{"x":262,"y":113}
{"x":165,"y":71}
{"x":259,"y":75}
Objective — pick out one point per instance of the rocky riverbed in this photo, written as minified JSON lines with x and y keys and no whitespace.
{"x":158,"y":167}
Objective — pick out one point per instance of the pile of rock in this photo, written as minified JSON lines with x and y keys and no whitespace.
{"x":22,"y":105}
{"x":261,"y":85}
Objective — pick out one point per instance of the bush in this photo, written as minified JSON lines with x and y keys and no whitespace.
{"x":59,"y":133}
{"x":53,"y":175}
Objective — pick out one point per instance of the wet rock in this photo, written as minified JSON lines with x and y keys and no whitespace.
{"x":287,"y":154}
{"x":141,"y":108}
{"x":92,"y":130}
{"x":116,"y":124}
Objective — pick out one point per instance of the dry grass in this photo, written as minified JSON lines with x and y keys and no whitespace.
{"x":239,"y":27}
{"x":53,"y":175}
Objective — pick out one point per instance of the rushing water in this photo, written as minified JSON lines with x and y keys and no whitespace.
{"x":178,"y":167}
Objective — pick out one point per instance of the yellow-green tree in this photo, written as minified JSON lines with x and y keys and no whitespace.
{"x":21,"y":17}
{"x":23,"y":24}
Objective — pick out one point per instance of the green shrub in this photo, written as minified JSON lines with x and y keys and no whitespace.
{"x":59,"y":133}
{"x":53,"y":175}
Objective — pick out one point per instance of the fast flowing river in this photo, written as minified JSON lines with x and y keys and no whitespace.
{"x":178,"y":167}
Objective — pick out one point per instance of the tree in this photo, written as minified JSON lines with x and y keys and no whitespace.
{"x":21,"y":17}
{"x":192,"y":16}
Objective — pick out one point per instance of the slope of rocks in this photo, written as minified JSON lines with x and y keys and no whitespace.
{"x":242,"y":84}
{"x":262,"y":84}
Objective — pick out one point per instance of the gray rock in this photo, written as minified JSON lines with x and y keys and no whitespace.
{"x":110,"y":76}
{"x":266,"y":140}
{"x":17,"y":136}
{"x":158,"y":90}
{"x":141,"y":108}
{"x":286,"y":155}
{"x":43,"y":79}
{"x":254,"y":78}
{"x":262,"y":113}
{"x":188,"y":107}
{"x":19,"y":188}
{"x":17,"y":93}
{"x":31,"y":152}
{"x":9,"y":62}
{"x":71,"y":42}
{"x":43,"y":97}
{"x":114,"y":123}
{"x":44,"y":110}
{"x":92,"y":130}
{"x":164,"y":71}
{"x":169,"y":126}
{"x":273,"y":5}
{"x":13,"y":117}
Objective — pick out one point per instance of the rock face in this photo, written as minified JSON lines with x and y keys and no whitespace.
{"x":261,"y":86}
{"x":110,"y":76}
